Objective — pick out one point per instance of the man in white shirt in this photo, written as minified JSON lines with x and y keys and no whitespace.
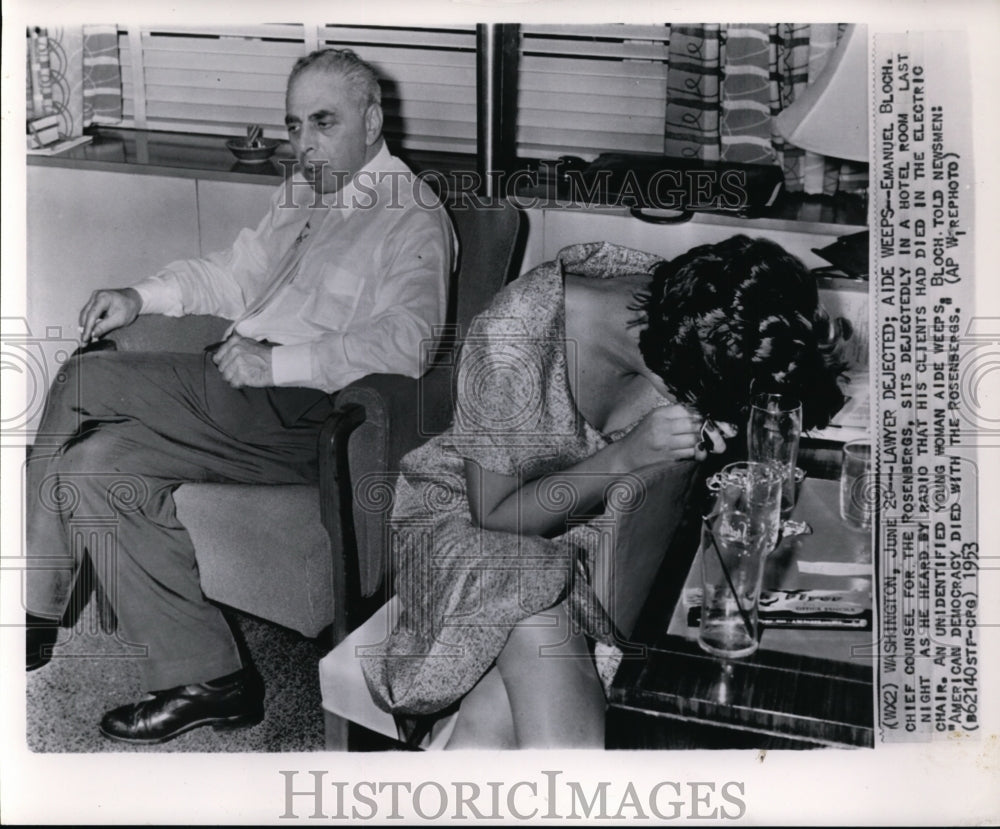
{"x":345,"y":276}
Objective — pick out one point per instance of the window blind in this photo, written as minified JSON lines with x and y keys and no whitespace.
{"x":428,"y":82}
{"x":218,"y":79}
{"x":209,"y":79}
{"x":583,"y":90}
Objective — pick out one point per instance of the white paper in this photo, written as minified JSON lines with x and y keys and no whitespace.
{"x":955,"y":779}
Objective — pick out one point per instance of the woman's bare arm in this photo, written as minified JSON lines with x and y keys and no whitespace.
{"x":544,"y":505}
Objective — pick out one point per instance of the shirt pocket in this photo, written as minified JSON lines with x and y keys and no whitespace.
{"x":334,"y":298}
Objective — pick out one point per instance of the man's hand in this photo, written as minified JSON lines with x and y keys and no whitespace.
{"x":244,"y":362}
{"x":107,"y":310}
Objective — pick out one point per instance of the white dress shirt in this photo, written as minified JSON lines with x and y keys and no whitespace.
{"x":362,"y":292}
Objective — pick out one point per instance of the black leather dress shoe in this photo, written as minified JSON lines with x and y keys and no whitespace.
{"x":39,"y":636}
{"x":233,"y":701}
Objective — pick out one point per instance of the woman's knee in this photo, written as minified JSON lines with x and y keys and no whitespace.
{"x":485,"y":720}
{"x":552,"y":684}
{"x":547,"y":648}
{"x":549,"y":632}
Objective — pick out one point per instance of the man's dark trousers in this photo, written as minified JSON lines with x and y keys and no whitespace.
{"x":118,"y":435}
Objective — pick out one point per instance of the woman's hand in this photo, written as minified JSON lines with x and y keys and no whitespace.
{"x":667,"y":433}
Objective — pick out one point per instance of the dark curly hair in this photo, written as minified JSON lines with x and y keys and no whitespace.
{"x":738,"y":317}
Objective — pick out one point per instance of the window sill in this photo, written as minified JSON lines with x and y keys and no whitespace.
{"x":141,"y":152}
{"x":184,"y":155}
{"x":187,"y":155}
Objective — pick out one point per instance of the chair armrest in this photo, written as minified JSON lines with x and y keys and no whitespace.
{"x":654,"y":511}
{"x":335,"y":502}
{"x":377,"y":420}
{"x":402,"y":412}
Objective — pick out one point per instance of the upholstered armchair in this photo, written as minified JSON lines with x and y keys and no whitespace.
{"x":283,"y":553}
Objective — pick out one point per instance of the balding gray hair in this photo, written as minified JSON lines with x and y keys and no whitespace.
{"x":359,"y":73}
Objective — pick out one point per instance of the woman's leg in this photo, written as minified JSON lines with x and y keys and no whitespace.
{"x":555,"y":695}
{"x":484,"y":717}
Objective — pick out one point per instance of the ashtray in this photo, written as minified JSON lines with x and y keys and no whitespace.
{"x":252,"y":154}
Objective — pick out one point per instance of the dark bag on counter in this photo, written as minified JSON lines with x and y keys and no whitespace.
{"x":643,"y":180}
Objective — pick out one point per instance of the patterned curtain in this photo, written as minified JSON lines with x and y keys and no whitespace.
{"x":726,"y":82}
{"x":74,"y":74}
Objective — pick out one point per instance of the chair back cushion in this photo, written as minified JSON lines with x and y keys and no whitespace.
{"x":490,"y":236}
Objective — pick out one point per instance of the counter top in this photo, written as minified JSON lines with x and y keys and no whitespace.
{"x":166,"y":154}
{"x":184,"y":155}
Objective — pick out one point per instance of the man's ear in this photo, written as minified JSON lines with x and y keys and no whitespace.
{"x":373,"y":123}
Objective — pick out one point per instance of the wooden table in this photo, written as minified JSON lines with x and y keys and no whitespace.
{"x":802,"y":689}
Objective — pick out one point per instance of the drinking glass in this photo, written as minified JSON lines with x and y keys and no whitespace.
{"x":736,"y":539}
{"x":858,"y":493}
{"x":773,"y":435}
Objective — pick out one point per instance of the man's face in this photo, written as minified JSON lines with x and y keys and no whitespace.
{"x":326,"y":123}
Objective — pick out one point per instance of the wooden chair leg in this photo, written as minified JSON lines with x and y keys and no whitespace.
{"x":335,"y":729}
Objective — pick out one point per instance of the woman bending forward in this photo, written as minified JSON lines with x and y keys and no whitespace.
{"x":582,"y":371}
